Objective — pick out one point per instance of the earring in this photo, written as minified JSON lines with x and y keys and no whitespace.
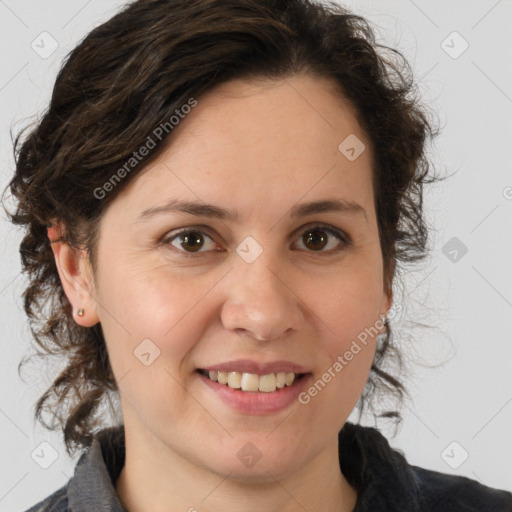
{"x":80,"y":312}
{"x":383,"y":338}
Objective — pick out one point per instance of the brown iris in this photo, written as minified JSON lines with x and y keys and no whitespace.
{"x":315,"y":239}
{"x":192,"y":241}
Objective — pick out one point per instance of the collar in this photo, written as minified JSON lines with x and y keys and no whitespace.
{"x":381,"y":475}
{"x":93,"y":485}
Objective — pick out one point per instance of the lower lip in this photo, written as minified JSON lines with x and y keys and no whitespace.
{"x":257,"y":402}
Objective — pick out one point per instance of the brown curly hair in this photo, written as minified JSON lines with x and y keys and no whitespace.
{"x":128,"y":76}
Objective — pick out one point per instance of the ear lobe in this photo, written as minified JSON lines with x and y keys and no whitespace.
{"x":76,"y":277}
{"x":389,"y":298}
{"x":388,"y":288}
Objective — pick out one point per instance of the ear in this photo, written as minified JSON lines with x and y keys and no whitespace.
{"x":76,"y":276}
{"x":388,"y":289}
{"x":388,"y":302}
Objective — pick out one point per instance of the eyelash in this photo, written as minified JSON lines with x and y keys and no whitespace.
{"x":336,"y":233}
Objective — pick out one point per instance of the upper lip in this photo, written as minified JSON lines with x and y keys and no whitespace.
{"x":258,"y":368}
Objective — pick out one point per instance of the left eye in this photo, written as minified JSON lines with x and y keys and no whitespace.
{"x":319,"y":238}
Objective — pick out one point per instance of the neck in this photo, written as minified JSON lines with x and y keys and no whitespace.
{"x":156,"y":478}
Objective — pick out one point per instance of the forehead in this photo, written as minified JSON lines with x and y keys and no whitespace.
{"x":258,"y":139}
{"x":292,"y":109}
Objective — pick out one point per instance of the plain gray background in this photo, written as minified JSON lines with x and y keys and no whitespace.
{"x":460,"y":417}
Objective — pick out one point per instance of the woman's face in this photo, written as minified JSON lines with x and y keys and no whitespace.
{"x":269,"y":268}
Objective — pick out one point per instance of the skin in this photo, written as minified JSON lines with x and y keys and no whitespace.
{"x":258,"y":148}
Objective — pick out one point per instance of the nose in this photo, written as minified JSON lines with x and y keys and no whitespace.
{"x":261,"y":301}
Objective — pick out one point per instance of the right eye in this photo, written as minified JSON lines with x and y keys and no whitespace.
{"x":189,"y":241}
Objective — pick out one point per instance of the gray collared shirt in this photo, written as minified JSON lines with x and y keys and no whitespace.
{"x":381,"y":475}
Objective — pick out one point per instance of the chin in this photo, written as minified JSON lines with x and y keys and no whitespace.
{"x":260,"y":473}
{"x":248,"y":464}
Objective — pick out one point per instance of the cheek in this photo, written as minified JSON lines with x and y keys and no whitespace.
{"x":348,"y":302}
{"x":347,"y":309}
{"x":151,"y":311}
{"x":151,"y":298}
{"x":346,"y":352}
{"x":153,"y":323}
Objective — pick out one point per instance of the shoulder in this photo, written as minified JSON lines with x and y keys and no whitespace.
{"x":442,"y":492}
{"x":92,"y":486}
{"x":56,"y":502}
{"x":385,"y":481}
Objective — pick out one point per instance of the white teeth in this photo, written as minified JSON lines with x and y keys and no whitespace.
{"x":280,"y":379}
{"x":253,"y":382}
{"x":234,"y":380}
{"x":250,"y":382}
{"x":268,"y":383}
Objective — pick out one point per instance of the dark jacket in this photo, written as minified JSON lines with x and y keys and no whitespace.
{"x":382,"y":477}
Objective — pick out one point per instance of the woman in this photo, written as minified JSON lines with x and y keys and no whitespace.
{"x":216,"y":203}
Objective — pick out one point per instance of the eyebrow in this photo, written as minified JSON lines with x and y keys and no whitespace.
{"x":217,"y":212}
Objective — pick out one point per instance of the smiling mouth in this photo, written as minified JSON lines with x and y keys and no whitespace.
{"x":251,"y":382}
